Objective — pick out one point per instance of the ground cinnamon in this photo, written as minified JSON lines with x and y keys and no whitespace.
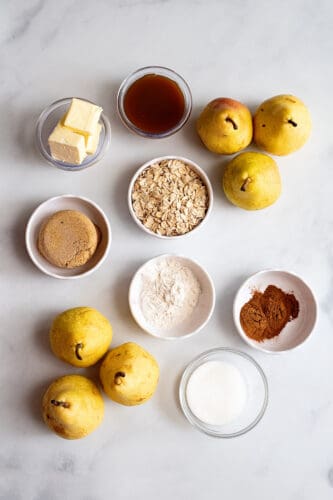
{"x":266,"y":314}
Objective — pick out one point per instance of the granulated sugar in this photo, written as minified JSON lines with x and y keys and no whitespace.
{"x":216,"y":393}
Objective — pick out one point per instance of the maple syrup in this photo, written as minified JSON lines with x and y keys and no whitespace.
{"x":154,"y":104}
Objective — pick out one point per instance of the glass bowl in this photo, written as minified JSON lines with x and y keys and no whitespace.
{"x":155,"y":70}
{"x":257,"y":392}
{"x":46,"y":122}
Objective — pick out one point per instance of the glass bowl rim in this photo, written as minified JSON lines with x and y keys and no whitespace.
{"x":146,"y":70}
{"x":62,"y":165}
{"x":189,"y":370}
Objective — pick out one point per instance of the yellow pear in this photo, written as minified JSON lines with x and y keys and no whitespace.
{"x":252,"y":181}
{"x":282,"y":125}
{"x":225,"y":126}
{"x":80,"y":336}
{"x":129,"y":374}
{"x":73,"y":407}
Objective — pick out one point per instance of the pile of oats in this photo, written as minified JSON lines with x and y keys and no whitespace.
{"x":170,"y":198}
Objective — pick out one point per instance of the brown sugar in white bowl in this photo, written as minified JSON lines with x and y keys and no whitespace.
{"x":68,"y":239}
{"x":98,"y":220}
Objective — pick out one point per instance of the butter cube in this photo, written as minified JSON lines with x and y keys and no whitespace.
{"x":66,"y":145}
{"x":82,"y":117}
{"x":93,"y":140}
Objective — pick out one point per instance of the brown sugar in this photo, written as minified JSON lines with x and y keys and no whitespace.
{"x":266,"y":314}
{"x":68,"y":239}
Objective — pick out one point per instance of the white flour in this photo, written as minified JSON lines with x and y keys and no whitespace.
{"x":170,"y":292}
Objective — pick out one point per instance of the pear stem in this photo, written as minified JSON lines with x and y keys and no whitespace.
{"x":245,"y":183}
{"x":230,"y":120}
{"x":118,"y":376}
{"x":77,"y":348}
{"x":294,"y":124}
{"x":59,"y":403}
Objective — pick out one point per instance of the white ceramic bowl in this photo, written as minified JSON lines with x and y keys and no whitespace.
{"x":192,"y":165}
{"x":67,"y":202}
{"x":201,"y":314}
{"x":256,"y":389}
{"x":297,"y":331}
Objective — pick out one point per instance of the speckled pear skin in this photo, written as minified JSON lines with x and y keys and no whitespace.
{"x":252,"y":181}
{"x":282,"y":125}
{"x":225,"y":126}
{"x":80,"y":336}
{"x":72,"y":407}
{"x":129,"y":374}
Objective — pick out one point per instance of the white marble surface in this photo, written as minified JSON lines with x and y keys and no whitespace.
{"x":242,"y":49}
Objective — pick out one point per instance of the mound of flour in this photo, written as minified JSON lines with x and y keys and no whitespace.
{"x":169,"y":293}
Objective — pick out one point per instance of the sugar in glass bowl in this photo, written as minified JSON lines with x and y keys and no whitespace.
{"x":256,"y":388}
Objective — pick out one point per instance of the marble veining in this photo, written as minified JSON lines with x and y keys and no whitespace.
{"x":66,"y":464}
{"x":330,"y":476}
{"x":242,"y":49}
{"x":24,"y":21}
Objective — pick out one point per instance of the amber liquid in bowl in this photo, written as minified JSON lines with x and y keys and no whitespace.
{"x":154,"y":104}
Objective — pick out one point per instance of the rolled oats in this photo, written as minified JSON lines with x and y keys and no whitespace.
{"x":170,"y":198}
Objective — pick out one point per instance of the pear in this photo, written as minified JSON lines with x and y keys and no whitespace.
{"x":252,"y":181}
{"x":80,"y":336}
{"x":73,"y":407}
{"x":129,"y":374}
{"x":282,"y":124}
{"x":225,"y":126}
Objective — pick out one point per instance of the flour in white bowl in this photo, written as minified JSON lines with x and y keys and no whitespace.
{"x":170,"y":292}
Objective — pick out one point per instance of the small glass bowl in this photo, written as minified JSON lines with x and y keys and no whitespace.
{"x":257,"y":392}
{"x":46,"y":122}
{"x":156,"y":70}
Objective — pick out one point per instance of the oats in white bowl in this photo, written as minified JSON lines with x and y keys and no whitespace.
{"x":170,"y":198}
